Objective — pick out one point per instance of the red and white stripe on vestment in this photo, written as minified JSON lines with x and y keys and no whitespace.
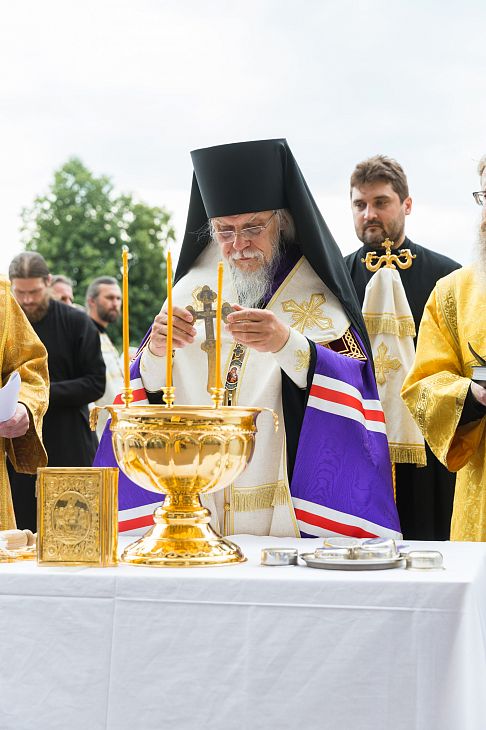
{"x":342,"y":399}
{"x":137,"y":519}
{"x":138,"y":392}
{"x":315,"y":519}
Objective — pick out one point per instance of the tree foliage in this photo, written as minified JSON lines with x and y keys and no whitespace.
{"x":80,"y":227}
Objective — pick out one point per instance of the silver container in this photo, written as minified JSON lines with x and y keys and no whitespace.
{"x":375,"y":549}
{"x":425,"y":560}
{"x":329,"y":553}
{"x":279,"y":556}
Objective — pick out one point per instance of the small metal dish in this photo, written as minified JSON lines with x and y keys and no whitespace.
{"x":352,"y":564}
{"x":279,"y":556}
{"x":424,"y":560}
{"x":376,"y":554}
{"x":329,"y":553}
{"x":341,"y":542}
{"x":376,"y":549}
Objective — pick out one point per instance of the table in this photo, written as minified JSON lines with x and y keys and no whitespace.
{"x":245,"y":646}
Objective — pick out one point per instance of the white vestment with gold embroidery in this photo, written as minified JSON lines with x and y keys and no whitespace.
{"x":259,"y":501}
{"x":391,"y":329}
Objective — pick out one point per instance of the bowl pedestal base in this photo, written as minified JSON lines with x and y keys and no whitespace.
{"x":182,"y":538}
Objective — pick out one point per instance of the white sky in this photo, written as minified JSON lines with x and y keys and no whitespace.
{"x":131,"y":86}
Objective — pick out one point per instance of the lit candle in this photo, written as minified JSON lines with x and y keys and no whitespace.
{"x":219,"y":305}
{"x":126,"y":336}
{"x":168,"y":355}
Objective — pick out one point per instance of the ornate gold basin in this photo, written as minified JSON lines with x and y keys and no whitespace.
{"x":183,"y":452}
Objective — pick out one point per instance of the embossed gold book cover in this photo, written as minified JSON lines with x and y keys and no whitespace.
{"x":77,"y":515}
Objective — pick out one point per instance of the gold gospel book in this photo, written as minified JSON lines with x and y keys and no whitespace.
{"x":77,"y":516}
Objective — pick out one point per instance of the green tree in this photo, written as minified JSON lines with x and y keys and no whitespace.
{"x":80,"y":227}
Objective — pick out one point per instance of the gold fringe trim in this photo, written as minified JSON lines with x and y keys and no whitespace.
{"x":401,"y":454}
{"x":378,"y":324}
{"x":265,"y":496}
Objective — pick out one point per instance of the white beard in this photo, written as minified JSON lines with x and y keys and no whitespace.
{"x":252,"y":287}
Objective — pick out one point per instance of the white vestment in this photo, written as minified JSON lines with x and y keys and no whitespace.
{"x":114,"y":380}
{"x":259,"y":501}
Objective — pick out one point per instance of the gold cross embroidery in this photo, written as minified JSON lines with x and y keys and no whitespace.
{"x":307,"y":314}
{"x":302,"y":359}
{"x":383,"y":363}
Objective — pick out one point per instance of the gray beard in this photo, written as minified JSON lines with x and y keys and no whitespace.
{"x":253,"y":287}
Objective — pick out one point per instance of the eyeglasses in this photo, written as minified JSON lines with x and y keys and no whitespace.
{"x":250,"y":234}
{"x":480,"y":197}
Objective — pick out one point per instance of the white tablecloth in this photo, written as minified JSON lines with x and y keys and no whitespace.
{"x":245,"y":646}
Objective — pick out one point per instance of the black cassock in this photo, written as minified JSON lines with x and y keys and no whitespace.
{"x":77,"y":377}
{"x":424,"y":494}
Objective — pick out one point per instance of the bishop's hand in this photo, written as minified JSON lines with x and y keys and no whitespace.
{"x":479,"y":393}
{"x":260,"y":329}
{"x":183,"y":332}
{"x":16,"y":426}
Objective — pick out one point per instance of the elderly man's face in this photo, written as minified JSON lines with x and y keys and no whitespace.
{"x":253,"y":244}
{"x":63,"y":292}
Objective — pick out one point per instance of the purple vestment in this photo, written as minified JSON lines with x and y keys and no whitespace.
{"x":341,"y":482}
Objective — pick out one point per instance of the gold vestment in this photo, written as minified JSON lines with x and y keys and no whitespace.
{"x":21,"y":350}
{"x":436,"y":388}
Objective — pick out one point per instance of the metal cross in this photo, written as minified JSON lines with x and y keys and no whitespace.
{"x":403,"y":260}
{"x":207,"y":296}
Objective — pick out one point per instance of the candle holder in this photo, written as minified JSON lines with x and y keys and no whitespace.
{"x":169,"y":395}
{"x":126,"y":396}
{"x":217,"y":396}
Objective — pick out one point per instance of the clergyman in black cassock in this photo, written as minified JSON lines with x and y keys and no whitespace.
{"x":425,"y":494}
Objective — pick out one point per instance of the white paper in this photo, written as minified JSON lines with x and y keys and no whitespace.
{"x":9,"y":395}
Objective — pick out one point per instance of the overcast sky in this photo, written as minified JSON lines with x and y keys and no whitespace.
{"x":131,"y":86}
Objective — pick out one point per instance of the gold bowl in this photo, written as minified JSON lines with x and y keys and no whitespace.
{"x":183,"y":452}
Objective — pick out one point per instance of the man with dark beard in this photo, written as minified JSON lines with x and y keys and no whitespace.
{"x":449,"y":407}
{"x":103,"y":305}
{"x":295,"y":342}
{"x":76,"y":372}
{"x":380,"y":202}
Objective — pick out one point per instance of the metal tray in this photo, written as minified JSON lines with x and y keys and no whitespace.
{"x":345,"y":564}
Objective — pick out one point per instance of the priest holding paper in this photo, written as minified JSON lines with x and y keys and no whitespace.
{"x":23,"y":358}
{"x":293,"y":340}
